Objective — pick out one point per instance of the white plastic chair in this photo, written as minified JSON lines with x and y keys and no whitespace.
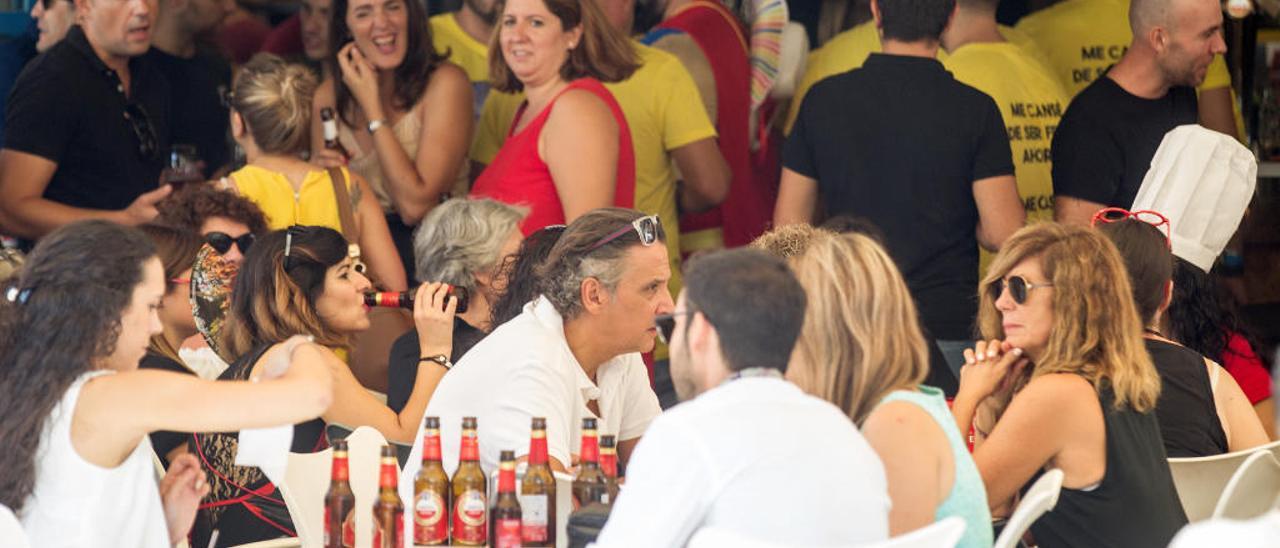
{"x":307,"y":481}
{"x":303,"y":490}
{"x":939,"y":534}
{"x":1041,"y":498}
{"x":1201,"y":480}
{"x":1252,"y":490}
{"x":364,"y":449}
{"x":11,"y":531}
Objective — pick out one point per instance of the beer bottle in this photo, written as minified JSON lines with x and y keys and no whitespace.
{"x":470,"y":505}
{"x":609,"y":463}
{"x":340,"y":503}
{"x":330,"y":125}
{"x":388,"y":510}
{"x":430,"y":492}
{"x":590,"y":484}
{"x":538,"y":492}
{"x":504,"y":527}
{"x":404,"y":299}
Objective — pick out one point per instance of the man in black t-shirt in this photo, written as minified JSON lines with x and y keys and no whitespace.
{"x":1103,"y":147}
{"x":901,"y":143}
{"x":197,"y":77}
{"x":87,"y":122}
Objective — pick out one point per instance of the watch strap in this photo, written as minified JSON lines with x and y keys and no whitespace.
{"x":441,"y":359}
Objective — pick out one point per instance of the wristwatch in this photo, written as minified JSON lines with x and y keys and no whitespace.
{"x":441,"y":359}
{"x":374,"y":125}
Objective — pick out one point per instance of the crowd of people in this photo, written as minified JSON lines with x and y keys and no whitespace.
{"x":901,"y":297}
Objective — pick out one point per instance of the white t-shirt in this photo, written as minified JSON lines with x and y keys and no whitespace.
{"x":80,"y":504}
{"x":758,"y":457}
{"x":524,"y":369}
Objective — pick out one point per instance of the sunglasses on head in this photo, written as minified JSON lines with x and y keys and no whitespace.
{"x":143,"y":131}
{"x":221,"y":242}
{"x":1018,"y":288}
{"x":1116,"y":214}
{"x":646,"y":227}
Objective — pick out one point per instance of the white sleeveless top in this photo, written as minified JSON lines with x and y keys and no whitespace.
{"x":80,"y":504}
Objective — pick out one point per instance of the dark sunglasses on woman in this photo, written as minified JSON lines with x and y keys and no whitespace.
{"x":1018,"y":288}
{"x":221,"y":242}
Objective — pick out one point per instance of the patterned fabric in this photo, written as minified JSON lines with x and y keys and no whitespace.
{"x":211,"y":282}
{"x":242,"y":503}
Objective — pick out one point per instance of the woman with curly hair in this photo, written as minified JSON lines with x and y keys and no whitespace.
{"x":78,"y":465}
{"x":1203,"y":317}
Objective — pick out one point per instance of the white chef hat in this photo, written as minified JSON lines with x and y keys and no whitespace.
{"x":1202,"y":181}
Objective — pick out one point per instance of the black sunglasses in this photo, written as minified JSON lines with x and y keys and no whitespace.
{"x":666,"y":324}
{"x":1018,"y":288}
{"x":142,"y":129}
{"x":221,"y":242}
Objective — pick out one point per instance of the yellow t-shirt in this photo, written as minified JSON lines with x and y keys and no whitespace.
{"x":1081,"y":38}
{"x":1031,"y":102}
{"x":464,"y":51}
{"x":664,"y":112}
{"x":848,"y":50}
{"x":313,"y":204}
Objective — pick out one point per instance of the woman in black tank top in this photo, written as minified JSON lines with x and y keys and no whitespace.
{"x":303,"y":281}
{"x":1197,"y":418}
{"x":1065,"y":382}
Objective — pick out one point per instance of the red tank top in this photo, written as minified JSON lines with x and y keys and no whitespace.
{"x":518,"y":175}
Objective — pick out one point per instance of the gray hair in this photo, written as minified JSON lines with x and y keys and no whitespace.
{"x":577,"y":256}
{"x":461,"y":238}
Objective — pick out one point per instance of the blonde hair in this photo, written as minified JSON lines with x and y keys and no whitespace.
{"x":1096,"y":332}
{"x":861,"y":338}
{"x":788,"y":241}
{"x":274,"y":99}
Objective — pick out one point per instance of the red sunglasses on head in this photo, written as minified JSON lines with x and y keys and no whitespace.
{"x":1153,"y":218}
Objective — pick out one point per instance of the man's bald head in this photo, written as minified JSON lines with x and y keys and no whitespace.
{"x":1145,"y":15}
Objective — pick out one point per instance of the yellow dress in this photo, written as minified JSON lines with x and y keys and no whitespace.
{"x":314,"y":203}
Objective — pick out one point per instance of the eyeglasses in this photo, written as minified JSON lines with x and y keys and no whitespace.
{"x":1018,"y":288}
{"x":646,"y":227}
{"x":1115,"y":214}
{"x":666,"y":324}
{"x":221,"y":242}
{"x":142,"y":129}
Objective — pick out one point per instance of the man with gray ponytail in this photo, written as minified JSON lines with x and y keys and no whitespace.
{"x":573,"y":353}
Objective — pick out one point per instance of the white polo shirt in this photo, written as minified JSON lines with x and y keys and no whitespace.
{"x":524,"y":369}
{"x":758,"y":457}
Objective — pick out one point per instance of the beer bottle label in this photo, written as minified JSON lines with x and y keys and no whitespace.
{"x":349,"y":529}
{"x":533,"y":515}
{"x":471,"y":517}
{"x":508,"y":534}
{"x":396,"y":536}
{"x":430,"y":526}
